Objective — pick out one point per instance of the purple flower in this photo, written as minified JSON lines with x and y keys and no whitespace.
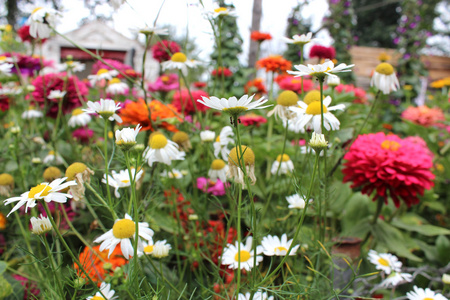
{"x":295,"y":22}
{"x":413,"y":25}
{"x":347,"y":4}
{"x":417,"y":18}
{"x":428,"y":34}
{"x":417,"y":43}
{"x":335,"y":1}
{"x":395,"y":102}
{"x":406,"y":56}
{"x":346,"y":12}
{"x":396,"y":40}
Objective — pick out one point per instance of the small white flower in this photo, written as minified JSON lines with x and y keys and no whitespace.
{"x":333,"y":81}
{"x":421,"y":294}
{"x":299,"y":39}
{"x":53,"y":158}
{"x":106,"y":108}
{"x":396,"y":278}
{"x":218,"y":170}
{"x":231,"y":255}
{"x":178,"y":61}
{"x":161,"y":249}
{"x":121,"y":233}
{"x":153,"y":30}
{"x":106,"y":291}
{"x":232,"y":105}
{"x":309,"y":116}
{"x":446,"y":278}
{"x":318,"y":142}
{"x":284,"y":163}
{"x":385,"y":262}
{"x":147,"y":248}
{"x":222,"y":11}
{"x":40,"y":20}
{"x":222,"y":141}
{"x":127,"y":136}
{"x":46,"y":191}
{"x":296,"y":201}
{"x":32,"y":113}
{"x":163,"y":150}
{"x":56,"y":94}
{"x":5,"y":69}
{"x":40,"y":225}
{"x":384,"y":78}
{"x":207,"y":135}
{"x":258,"y":295}
{"x":71,"y":66}
{"x":117,"y":87}
{"x":122,"y":179}
{"x":174,"y":174}
{"x":327,"y":68}
{"x":102,"y":74}
{"x":79,"y":118}
{"x":273,"y":245}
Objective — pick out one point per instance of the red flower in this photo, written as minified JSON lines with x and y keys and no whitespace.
{"x":274,"y":63}
{"x":255,"y":86}
{"x":115,"y":65}
{"x":199,"y":84}
{"x":322,"y":52}
{"x":24,"y":34}
{"x":390,"y":166}
{"x":74,"y":88}
{"x":83,"y":135}
{"x":260,"y":36}
{"x":360,"y":94}
{"x":252,"y":119}
{"x":163,"y":50}
{"x":186,"y":101}
{"x":226,"y":72}
{"x":291,"y":83}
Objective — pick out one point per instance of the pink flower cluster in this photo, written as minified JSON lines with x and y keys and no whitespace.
{"x":28,"y":65}
{"x":186,"y":101}
{"x":164,"y":83}
{"x":360,"y":94}
{"x":163,"y":50}
{"x":217,"y":188}
{"x":425,"y":116}
{"x":387,"y":165}
{"x":115,"y":65}
{"x":291,"y":83}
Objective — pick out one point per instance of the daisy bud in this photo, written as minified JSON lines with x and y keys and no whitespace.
{"x":6,"y":184}
{"x":318,"y":142}
{"x":446,"y":278}
{"x":40,"y":225}
{"x":51,"y":173}
{"x":15,"y":130}
{"x":126,"y":138}
{"x":36,"y":160}
{"x":161,"y":249}
{"x":207,"y":136}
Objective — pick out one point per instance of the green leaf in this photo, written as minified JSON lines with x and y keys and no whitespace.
{"x":443,"y":249}
{"x":5,"y":288}
{"x":3,"y":266}
{"x":426,"y":229}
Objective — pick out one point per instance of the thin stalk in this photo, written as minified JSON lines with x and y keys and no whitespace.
{"x":113,"y":213}
{"x":53,"y":267}
{"x":105,"y":156}
{"x":380,"y":203}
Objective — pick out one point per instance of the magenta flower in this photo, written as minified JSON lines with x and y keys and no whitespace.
{"x":216,"y":188}
{"x":164,"y":83}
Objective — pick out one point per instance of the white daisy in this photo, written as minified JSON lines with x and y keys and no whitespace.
{"x":178,"y":61}
{"x":106,"y":108}
{"x":232,"y":105}
{"x":40,"y":20}
{"x":163,"y":150}
{"x":284,"y":163}
{"x":299,"y":39}
{"x":153,"y":30}
{"x":46,"y":191}
{"x":321,"y":70}
{"x":384,"y":78}
{"x":296,"y":201}
{"x":333,"y":81}
{"x":223,"y":11}
{"x":248,"y":160}
{"x":258,"y":295}
{"x":309,"y":115}
{"x":106,"y":291}
{"x":122,"y":179}
{"x":207,"y":135}
{"x":222,"y":141}
{"x":161,"y":249}
{"x":385,"y":262}
{"x":421,"y":294}
{"x":174,"y":174}
{"x":127,"y":136}
{"x":117,"y":87}
{"x":218,"y":170}
{"x":396,"y":278}
{"x":53,"y":158}
{"x":6,"y":59}
{"x":231,"y":255}
{"x":71,"y":66}
{"x":122,"y":231}
{"x":40,"y":225}
{"x":56,"y":94}
{"x":285,"y":100}
{"x":273,"y":245}
{"x":32,"y":113}
{"x":147,"y":248}
{"x":79,"y":118}
{"x":102,"y":74}
{"x":5,"y":69}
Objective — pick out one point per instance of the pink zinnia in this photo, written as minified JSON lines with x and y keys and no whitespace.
{"x":186,"y":101}
{"x":390,"y":166}
{"x":360,"y":94}
{"x":294,"y":84}
{"x":322,"y":52}
{"x":74,"y":88}
{"x":83,"y":135}
{"x":216,"y":188}
{"x":423,"y":115}
{"x":163,"y":50}
{"x":164,"y":83}
{"x":252,"y":119}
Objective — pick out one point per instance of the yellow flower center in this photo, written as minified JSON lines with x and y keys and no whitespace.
{"x":242,"y":256}
{"x":295,"y":80}
{"x":407,"y":87}
{"x":248,"y":156}
{"x":384,"y":56}
{"x":311,"y":96}
{"x":51,"y":173}
{"x":385,"y":68}
{"x":383,"y":262}
{"x":220,"y":9}
{"x":125,"y":181}
{"x":2,"y":58}
{"x":44,"y":188}
{"x":74,"y":169}
{"x":158,"y":141}
{"x":314,"y":108}
{"x":6,"y":179}
{"x":218,"y":139}
{"x":285,"y":157}
{"x":51,"y":152}
{"x":390,"y":145}
{"x":217,"y":164}
{"x":124,"y":229}
{"x":77,"y":111}
{"x":165,"y":78}
{"x":428,"y":298}
{"x":98,"y":298}
{"x":179,"y":57}
{"x":102,"y":71}
{"x":148,"y":249}
{"x":281,"y":249}
{"x":180,"y":137}
{"x":36,"y":9}
{"x":235,"y":110}
{"x":114,"y":81}
{"x":287,"y":98}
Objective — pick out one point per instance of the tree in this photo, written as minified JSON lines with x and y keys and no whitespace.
{"x":256,"y":25}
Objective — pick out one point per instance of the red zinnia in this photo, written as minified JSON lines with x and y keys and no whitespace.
{"x":322,"y":52}
{"x":252,"y":119}
{"x":274,"y":63}
{"x":74,"y":88}
{"x":186,"y":101}
{"x":218,"y":72}
{"x":260,"y":36}
{"x":24,"y":34}
{"x":390,"y":166}
{"x":163,"y":50}
{"x":291,"y":83}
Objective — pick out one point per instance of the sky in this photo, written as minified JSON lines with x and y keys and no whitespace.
{"x":187,"y":17}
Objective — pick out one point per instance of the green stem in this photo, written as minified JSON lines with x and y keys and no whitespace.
{"x":53,"y":267}
{"x":105,"y":154}
{"x":110,"y":208}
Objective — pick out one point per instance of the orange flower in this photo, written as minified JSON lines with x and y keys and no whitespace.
{"x":94,"y":263}
{"x":423,"y":115}
{"x":438,"y":84}
{"x":3,"y":221}
{"x":274,"y":63}
{"x":134,"y":113}
{"x":260,"y":36}
{"x":255,"y":86}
